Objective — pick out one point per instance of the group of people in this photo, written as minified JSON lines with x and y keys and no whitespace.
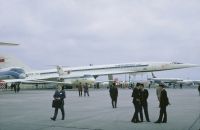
{"x":140,"y":96}
{"x":16,"y":87}
{"x":59,"y":96}
{"x":82,"y":88}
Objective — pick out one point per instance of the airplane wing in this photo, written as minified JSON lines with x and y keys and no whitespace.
{"x":33,"y":81}
{"x":8,"y":44}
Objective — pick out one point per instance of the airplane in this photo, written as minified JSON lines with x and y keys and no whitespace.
{"x":166,"y":80}
{"x":12,"y":70}
{"x":172,"y":81}
{"x":90,"y":73}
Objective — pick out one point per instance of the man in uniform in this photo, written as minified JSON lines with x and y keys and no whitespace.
{"x":163,"y":103}
{"x":114,"y":94}
{"x":136,"y":102}
{"x":80,"y":89}
{"x":59,"y":96}
{"x":144,"y":104}
{"x":86,"y":89}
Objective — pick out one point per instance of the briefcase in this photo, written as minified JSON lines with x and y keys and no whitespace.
{"x":56,"y":103}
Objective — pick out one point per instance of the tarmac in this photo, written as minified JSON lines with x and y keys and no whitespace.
{"x":31,"y":110}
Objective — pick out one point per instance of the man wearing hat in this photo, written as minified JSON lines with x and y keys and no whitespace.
{"x":164,"y":102}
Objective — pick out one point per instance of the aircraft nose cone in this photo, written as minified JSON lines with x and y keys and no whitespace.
{"x":185,"y":65}
{"x":192,"y":65}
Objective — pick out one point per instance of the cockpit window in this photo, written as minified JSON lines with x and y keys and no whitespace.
{"x":87,"y":76}
{"x":18,"y":70}
{"x":176,"y":63}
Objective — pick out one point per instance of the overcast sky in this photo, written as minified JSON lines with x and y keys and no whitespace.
{"x":82,"y":32}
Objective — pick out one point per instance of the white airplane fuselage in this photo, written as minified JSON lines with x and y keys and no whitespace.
{"x":98,"y":70}
{"x":87,"y":72}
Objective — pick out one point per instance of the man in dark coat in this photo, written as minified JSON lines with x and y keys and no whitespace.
{"x":59,"y":96}
{"x":136,"y":102}
{"x":164,"y":102}
{"x":114,"y":94}
{"x":144,"y":104}
{"x":80,"y":89}
{"x":13,"y":85}
{"x":199,"y":89}
{"x":86,"y":89}
{"x":17,"y":86}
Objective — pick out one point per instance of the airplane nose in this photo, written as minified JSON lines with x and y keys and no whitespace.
{"x":191,"y":65}
{"x":185,"y":65}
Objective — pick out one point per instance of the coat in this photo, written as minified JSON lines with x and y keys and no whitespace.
{"x":58,"y":98}
{"x":113,"y":92}
{"x":143,"y":96}
{"x":136,"y":95}
{"x":164,"y":101}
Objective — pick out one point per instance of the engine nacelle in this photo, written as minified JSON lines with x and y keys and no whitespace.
{"x":90,"y":80}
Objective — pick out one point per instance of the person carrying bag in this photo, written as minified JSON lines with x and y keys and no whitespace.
{"x":58,"y":102}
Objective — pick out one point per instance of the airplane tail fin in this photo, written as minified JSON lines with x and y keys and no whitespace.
{"x":60,"y":70}
{"x":9,"y":61}
{"x":153,"y":75}
{"x":62,"y":73}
